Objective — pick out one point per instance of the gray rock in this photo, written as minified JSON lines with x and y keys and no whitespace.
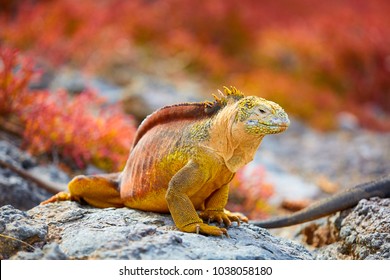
{"x":73,"y":81}
{"x":18,"y":192}
{"x":83,"y":232}
{"x":50,"y":251}
{"x":147,"y":93}
{"x":22,"y":193}
{"x":286,"y":184}
{"x":348,"y":121}
{"x":111,"y":93}
{"x":17,"y":230}
{"x":11,"y":154}
{"x":364,"y":233}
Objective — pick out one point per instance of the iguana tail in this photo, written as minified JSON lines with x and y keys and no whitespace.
{"x":98,"y":190}
{"x":338,"y":202}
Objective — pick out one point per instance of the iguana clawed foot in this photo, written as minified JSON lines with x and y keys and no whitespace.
{"x":203,"y":228}
{"x":236,"y":217}
{"x":219,"y":216}
{"x":61,"y":196}
{"x":222,"y":216}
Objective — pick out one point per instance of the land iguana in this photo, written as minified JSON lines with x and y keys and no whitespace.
{"x":183,"y":158}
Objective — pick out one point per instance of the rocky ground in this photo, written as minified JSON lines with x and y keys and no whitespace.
{"x":302,"y":164}
{"x":68,"y":230}
{"x":20,"y":192}
{"x":72,"y":231}
{"x":363,"y":233}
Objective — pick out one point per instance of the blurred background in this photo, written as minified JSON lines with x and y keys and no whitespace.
{"x":77,"y":77}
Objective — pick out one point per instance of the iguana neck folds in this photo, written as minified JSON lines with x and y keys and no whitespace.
{"x":234,"y":151}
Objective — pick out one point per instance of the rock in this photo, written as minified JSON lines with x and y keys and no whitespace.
{"x":348,"y":121}
{"x":362,"y":233}
{"x":22,"y":193}
{"x":287,"y":185}
{"x":13,"y":155}
{"x":51,"y":174}
{"x":111,"y":93}
{"x":44,"y":79}
{"x":50,"y":251}
{"x":146,"y":93}
{"x":15,"y":190}
{"x":83,"y":232}
{"x":18,"y":231}
{"x":18,"y":192}
{"x":75,"y":82}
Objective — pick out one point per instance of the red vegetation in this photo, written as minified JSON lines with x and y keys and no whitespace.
{"x":332,"y":55}
{"x":68,"y":126}
{"x":15,"y":74}
{"x":77,"y":129}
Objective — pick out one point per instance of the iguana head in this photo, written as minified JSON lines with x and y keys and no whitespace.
{"x":258,"y":116}
{"x":239,"y":124}
{"x":250,"y":115}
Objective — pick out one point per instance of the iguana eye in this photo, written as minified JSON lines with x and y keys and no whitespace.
{"x":262,"y":111}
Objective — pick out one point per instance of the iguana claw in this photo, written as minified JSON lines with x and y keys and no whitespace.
{"x":222,"y":216}
{"x":61,"y":196}
{"x":201,"y":228}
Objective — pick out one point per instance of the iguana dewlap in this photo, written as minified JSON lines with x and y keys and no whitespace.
{"x":183,"y":158}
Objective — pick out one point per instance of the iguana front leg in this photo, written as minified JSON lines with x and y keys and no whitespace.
{"x":215,"y":209}
{"x":184,"y":183}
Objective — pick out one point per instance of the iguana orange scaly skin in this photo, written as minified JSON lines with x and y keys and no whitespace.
{"x":183,"y":158}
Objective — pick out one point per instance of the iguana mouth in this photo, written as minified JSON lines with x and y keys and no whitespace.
{"x":276,"y":128}
{"x":275,"y":125}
